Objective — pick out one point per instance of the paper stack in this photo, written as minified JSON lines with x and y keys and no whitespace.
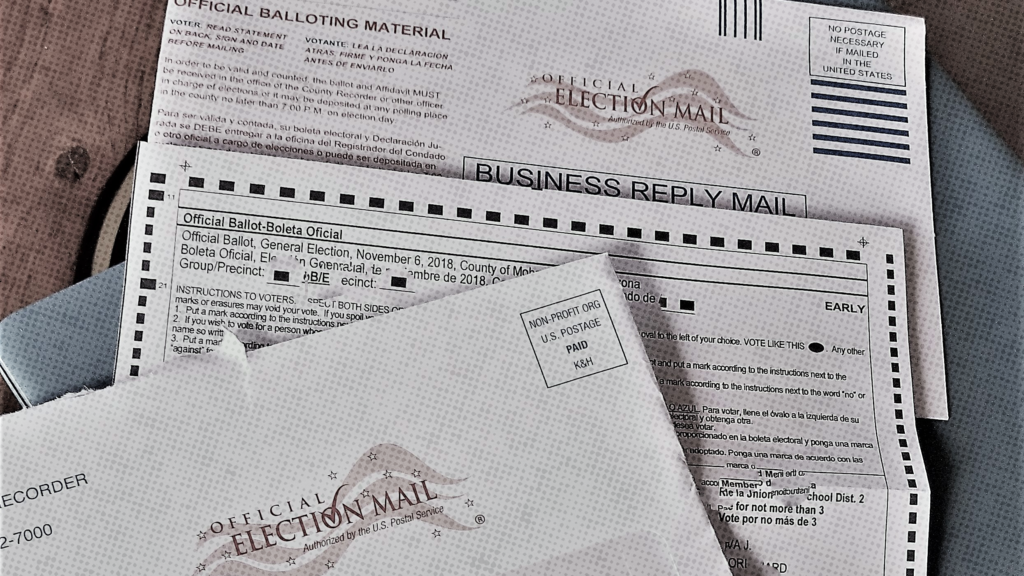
{"x":324,"y":367}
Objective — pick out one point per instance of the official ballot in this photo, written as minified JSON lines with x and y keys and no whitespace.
{"x":514,"y":429}
{"x":780,"y":345}
{"x":765,"y":106}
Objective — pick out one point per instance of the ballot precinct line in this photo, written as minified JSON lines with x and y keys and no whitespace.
{"x":545,"y":264}
{"x":862,"y":266}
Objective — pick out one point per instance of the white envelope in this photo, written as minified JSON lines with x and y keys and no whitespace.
{"x":765,"y":106}
{"x":506,"y":429}
{"x":780,"y":344}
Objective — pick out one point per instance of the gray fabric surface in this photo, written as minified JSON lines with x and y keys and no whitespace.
{"x":66,"y":342}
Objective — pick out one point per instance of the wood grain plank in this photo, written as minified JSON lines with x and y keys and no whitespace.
{"x":76,"y":86}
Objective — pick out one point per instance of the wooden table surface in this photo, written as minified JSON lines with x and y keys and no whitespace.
{"x":76,"y":86}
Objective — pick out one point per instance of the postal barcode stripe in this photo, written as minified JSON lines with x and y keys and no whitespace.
{"x":844,"y":101}
{"x":741,"y":21}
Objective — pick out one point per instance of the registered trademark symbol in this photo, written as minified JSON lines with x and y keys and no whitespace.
{"x":756,"y":151}
{"x":480,"y":519}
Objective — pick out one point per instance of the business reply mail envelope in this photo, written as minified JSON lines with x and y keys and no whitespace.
{"x":513,"y":429}
{"x":765,"y":106}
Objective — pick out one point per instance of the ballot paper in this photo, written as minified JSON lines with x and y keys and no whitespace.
{"x":764,"y":106}
{"x":390,"y":447}
{"x":780,"y":345}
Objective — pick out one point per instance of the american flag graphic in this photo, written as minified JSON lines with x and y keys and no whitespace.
{"x":860,"y":121}
{"x":380,"y":474}
{"x":690,"y":97}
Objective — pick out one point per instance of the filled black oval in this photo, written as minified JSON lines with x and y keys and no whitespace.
{"x":816,"y":347}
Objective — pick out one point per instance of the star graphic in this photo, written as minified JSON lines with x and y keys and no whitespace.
{"x":329,"y":565}
{"x":202,"y":535}
{"x":469,"y":503}
{"x":387,"y":473}
{"x":524,"y":100}
{"x":365,"y":493}
{"x":718,"y":148}
{"x":596,"y":123}
{"x":718,"y":100}
{"x":333,"y":475}
{"x":415,"y":473}
{"x":547,"y":124}
{"x":650,"y":76}
{"x":436,"y":533}
{"x":752,"y":137}
{"x":547,"y":100}
{"x":226,"y":555}
{"x":291,"y":561}
{"x":694,"y":91}
{"x":201,"y":568}
{"x":533,"y":79}
{"x":687,"y":75}
{"x":625,"y":138}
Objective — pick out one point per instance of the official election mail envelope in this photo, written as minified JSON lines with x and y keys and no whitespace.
{"x":780,"y":345}
{"x":763,"y":106}
{"x":510,"y":428}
